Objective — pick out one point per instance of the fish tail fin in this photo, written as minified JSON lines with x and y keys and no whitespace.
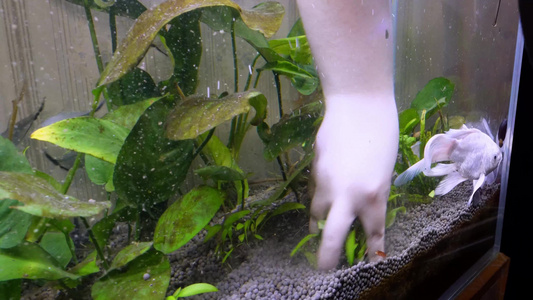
{"x":410,"y":173}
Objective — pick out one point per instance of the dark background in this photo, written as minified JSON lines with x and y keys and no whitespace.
{"x":518,"y":218}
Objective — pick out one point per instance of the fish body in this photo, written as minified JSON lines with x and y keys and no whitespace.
{"x":472,"y":155}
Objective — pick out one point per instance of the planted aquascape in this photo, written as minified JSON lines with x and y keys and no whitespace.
{"x":177,"y":239}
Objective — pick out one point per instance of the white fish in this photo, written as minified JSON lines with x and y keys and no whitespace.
{"x":472,"y":153}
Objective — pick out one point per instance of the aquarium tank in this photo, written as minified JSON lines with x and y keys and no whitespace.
{"x":158,"y":149}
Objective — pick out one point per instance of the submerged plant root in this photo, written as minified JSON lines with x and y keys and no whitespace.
{"x":265,"y":270}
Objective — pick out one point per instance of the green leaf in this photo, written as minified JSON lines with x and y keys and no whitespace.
{"x":29,"y":261}
{"x":186,"y":217}
{"x":99,"y":138}
{"x":221,"y":155}
{"x":184,"y":43}
{"x":149,"y":167}
{"x":128,"y":254}
{"x":287,"y":68}
{"x":135,"y":86}
{"x":87,"y":266}
{"x":303,"y":242}
{"x":13,"y":225}
{"x":103,"y":228}
{"x":212,"y":231}
{"x":124,"y":8}
{"x":349,"y":247}
{"x":11,"y":160}
{"x":41,"y":199}
{"x":234,"y":217}
{"x":198,"y":115}
{"x":264,"y":17}
{"x":285,"y":207}
{"x":128,"y":115}
{"x":297,"y":29}
{"x":220,"y":173}
{"x":146,"y":277}
{"x":195,"y":289}
{"x":289,"y":132}
{"x":11,"y":289}
{"x":295,"y":47}
{"x":54,"y":243}
{"x":100,"y":172}
{"x":391,"y":215}
{"x":435,"y":95}
{"x":408,"y":119}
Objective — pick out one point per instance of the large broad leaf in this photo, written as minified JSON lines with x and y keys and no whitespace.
{"x":304,"y":79}
{"x":128,"y":115}
{"x":297,"y":48}
{"x":135,"y":86}
{"x":29,"y":261}
{"x":435,"y":95}
{"x":186,"y":217}
{"x":265,"y":18}
{"x":150,"y":167}
{"x":41,"y":199}
{"x":184,"y":41}
{"x":128,"y":254}
{"x":55,"y":243}
{"x":294,"y":130}
{"x":125,"y":8}
{"x":11,"y":160}
{"x":11,"y":289}
{"x":198,"y":115}
{"x":220,"y":173}
{"x":13,"y":223}
{"x":99,"y":138}
{"x":146,"y":277}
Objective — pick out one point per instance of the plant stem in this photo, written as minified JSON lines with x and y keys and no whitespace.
{"x":71,"y":173}
{"x":278,"y":91}
{"x":15,"y":111}
{"x":99,"y":251}
{"x":202,"y":145}
{"x":94,"y":40}
{"x":235,"y":62}
{"x":113,"y":27}
{"x":249,"y":78}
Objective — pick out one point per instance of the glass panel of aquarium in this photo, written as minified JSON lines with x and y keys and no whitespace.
{"x":164,"y":149}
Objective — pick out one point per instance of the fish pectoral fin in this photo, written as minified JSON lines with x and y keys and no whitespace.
{"x":438,"y":148}
{"x":440,"y":170}
{"x":449,"y":182}
{"x":477,"y":184}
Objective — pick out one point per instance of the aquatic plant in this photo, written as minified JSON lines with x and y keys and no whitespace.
{"x":142,"y":150}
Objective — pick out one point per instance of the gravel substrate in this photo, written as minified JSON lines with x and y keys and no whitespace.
{"x":265,"y":270}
